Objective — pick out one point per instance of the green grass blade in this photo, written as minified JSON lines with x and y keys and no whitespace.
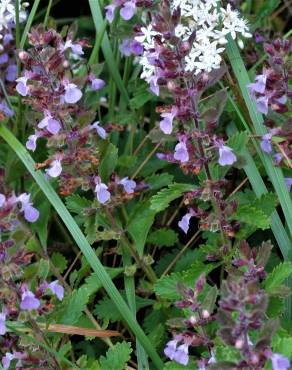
{"x":82,"y":243}
{"x":260,"y":188}
{"x":274,"y":173}
{"x":131,"y":298}
{"x":29,"y":22}
{"x":106,"y":48}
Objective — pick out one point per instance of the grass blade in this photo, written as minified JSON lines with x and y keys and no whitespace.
{"x":274,"y":173}
{"x":29,"y":22}
{"x":82,"y":243}
{"x":106,"y":48}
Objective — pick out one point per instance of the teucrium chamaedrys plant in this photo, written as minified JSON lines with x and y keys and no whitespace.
{"x":119,"y":163}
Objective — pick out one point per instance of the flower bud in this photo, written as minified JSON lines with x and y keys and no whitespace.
{"x":205,"y":314}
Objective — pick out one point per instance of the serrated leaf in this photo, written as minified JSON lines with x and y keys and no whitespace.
{"x":43,"y":269}
{"x":74,"y":306}
{"x":252,"y":216}
{"x":277,"y":276}
{"x":161,"y":200}
{"x":92,"y":283}
{"x":238,"y":141}
{"x":166,"y":287}
{"x":173,"y":365}
{"x":108,"y":162}
{"x":59,"y":261}
{"x":139,"y":225}
{"x":163,"y":238}
{"x":103,"y":312}
{"x":116,"y":357}
{"x":76,"y":204}
{"x":158,"y":181}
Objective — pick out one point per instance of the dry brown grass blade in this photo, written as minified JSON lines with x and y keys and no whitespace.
{"x":76,"y":330}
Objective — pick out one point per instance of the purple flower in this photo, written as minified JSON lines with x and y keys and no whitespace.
{"x":129,"y":185}
{"x":6,"y":360}
{"x":29,"y":301}
{"x":259,"y":85}
{"x":182,"y":354}
{"x":277,"y":158}
{"x":5,"y":109}
{"x":226,"y":156}
{"x":184,"y":223}
{"x":128,"y":10}
{"x":288,"y":182}
{"x":31,"y":142}
{"x":11,"y":72}
{"x":266,"y":143}
{"x":31,"y":214}
{"x":21,"y":86}
{"x":110,"y":12}
{"x":51,"y":124}
{"x":280,"y":362}
{"x":2,"y":323}
{"x":181,"y":152}
{"x":137,"y":47}
{"x":4,"y":58}
{"x":57,"y":289}
{"x":2,"y":200}
{"x":166,"y":124}
{"x":76,"y":48}
{"x":102,"y":194}
{"x":170,"y":349}
{"x":125,"y":47}
{"x":263,"y":104}
{"x":55,"y":168}
{"x":97,"y":84}
{"x":154,"y":87}
{"x":100,"y":130}
{"x":72,"y":93}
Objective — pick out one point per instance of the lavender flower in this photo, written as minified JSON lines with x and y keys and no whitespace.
{"x":288,"y":182}
{"x":6,"y":360}
{"x":102,"y":194}
{"x":184,"y":223}
{"x":51,"y":124}
{"x":166,"y":123}
{"x":31,"y":214}
{"x":31,"y":142}
{"x":57,"y":289}
{"x":72,"y":93}
{"x":128,"y":10}
{"x":21,"y":86}
{"x":280,"y":362}
{"x":259,"y":85}
{"x":100,"y":130}
{"x":181,"y":355}
{"x":2,"y":200}
{"x":96,"y":83}
{"x":266,"y":143}
{"x":181,"y":152}
{"x":263,"y":104}
{"x":28,"y":301}
{"x":110,"y":12}
{"x":11,"y":72}
{"x":55,"y":169}
{"x":76,"y":48}
{"x":226,"y":156}
{"x":2,"y":323}
{"x":170,"y":348}
{"x":129,"y":185}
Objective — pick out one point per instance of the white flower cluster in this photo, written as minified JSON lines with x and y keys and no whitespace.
{"x":7,"y":13}
{"x":211,"y":24}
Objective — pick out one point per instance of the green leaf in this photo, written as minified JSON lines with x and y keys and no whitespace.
{"x":59,"y":261}
{"x":158,"y":181}
{"x":277,"y":276}
{"x":161,"y":200}
{"x":116,"y":357}
{"x":43,"y":268}
{"x":76,"y":204}
{"x":173,"y":365}
{"x":140,"y":99}
{"x":139,"y":225}
{"x":108,"y":162}
{"x":252,"y":216}
{"x":92,"y":283}
{"x":82,"y":243}
{"x":238,"y":141}
{"x":165,"y":287}
{"x":163,"y":238}
{"x":74,"y":306}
